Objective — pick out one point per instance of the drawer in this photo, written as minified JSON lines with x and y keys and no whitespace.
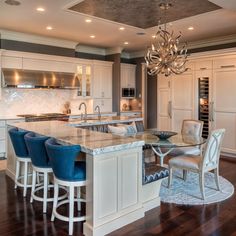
{"x":2,"y":123}
{"x":2,"y":146}
{"x":225,"y":63}
{"x":2,"y":133}
{"x":203,"y":65}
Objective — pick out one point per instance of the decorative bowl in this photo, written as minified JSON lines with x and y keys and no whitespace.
{"x":164,"y":134}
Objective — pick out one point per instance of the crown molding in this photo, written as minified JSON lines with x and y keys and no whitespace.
{"x":32,"y":38}
{"x":197,"y":44}
{"x":115,"y":50}
{"x":90,"y":49}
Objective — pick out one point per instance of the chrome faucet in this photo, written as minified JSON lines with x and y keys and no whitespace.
{"x":97,"y":108}
{"x":83,"y":117}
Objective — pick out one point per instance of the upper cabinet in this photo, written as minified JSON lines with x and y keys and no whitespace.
{"x":128,"y":75}
{"x":11,"y":62}
{"x":84,"y":77}
{"x":102,"y":80}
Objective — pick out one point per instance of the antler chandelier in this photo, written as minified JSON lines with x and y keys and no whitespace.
{"x":164,"y":56}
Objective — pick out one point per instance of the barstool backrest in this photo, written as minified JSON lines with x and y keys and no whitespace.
{"x":18,"y":142}
{"x":62,"y":158}
{"x":37,"y":150}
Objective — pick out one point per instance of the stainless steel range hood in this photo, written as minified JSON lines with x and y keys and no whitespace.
{"x":16,"y":78}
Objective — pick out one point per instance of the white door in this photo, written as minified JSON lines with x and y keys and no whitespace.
{"x":182,"y":99}
{"x":224,"y":106}
{"x":164,"y":103}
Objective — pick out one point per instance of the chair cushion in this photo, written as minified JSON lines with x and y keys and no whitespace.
{"x":185,"y":151}
{"x":123,"y":130}
{"x":186,"y":162}
{"x":153,"y":172}
{"x":192,"y":128}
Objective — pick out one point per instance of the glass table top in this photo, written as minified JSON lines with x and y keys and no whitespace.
{"x":178,"y":140}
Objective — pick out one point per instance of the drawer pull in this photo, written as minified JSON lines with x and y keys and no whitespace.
{"x":203,"y":68}
{"x":228,"y":66}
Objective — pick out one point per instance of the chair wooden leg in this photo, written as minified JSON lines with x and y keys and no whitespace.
{"x":17,"y":173}
{"x":170,"y":177}
{"x":71,"y":210}
{"x":45,"y":191}
{"x":55,"y":200}
{"x":25,"y":179}
{"x":33,"y":185}
{"x":216,"y":173}
{"x":201,"y":184}
{"x":185,"y":173}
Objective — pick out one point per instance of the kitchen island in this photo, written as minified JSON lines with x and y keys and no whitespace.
{"x":113,"y":173}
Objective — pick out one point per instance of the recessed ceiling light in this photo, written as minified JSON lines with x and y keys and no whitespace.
{"x":190,"y":28}
{"x":40,"y":9}
{"x":92,"y":36}
{"x":154,"y":36}
{"x":88,"y":20}
{"x":126,"y":43}
{"x":49,"y":27}
{"x":12,"y":2}
{"x":122,"y":28}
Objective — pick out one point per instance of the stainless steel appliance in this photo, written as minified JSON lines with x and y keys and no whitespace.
{"x":128,"y":92}
{"x":44,"y":117}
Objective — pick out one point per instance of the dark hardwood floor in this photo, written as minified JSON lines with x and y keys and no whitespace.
{"x":19,"y":217}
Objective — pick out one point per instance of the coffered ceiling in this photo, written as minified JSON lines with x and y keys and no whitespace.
{"x":138,"y":18}
{"x":142,"y":14}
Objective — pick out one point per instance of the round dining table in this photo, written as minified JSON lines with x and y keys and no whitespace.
{"x":162,"y":147}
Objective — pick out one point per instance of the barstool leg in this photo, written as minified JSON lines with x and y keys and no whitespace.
{"x":17,"y":173}
{"x":55,"y":200}
{"x":45,"y":191}
{"x":25,"y":178}
{"x":78,"y":199}
{"x":33,"y":185}
{"x":71,"y":211}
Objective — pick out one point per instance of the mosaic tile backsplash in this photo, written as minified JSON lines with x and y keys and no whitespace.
{"x":23,"y":101}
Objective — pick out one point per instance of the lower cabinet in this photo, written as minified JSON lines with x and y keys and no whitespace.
{"x":104,"y":104}
{"x":2,"y":138}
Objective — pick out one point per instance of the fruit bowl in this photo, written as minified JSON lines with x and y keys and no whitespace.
{"x":164,"y":134}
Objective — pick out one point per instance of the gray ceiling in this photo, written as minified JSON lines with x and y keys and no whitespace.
{"x":142,"y":13}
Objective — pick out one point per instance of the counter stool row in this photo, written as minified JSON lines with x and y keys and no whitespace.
{"x":48,"y":156}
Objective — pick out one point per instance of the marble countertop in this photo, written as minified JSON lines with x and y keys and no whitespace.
{"x":91,"y":142}
{"x":11,"y":117}
{"x":104,"y":121}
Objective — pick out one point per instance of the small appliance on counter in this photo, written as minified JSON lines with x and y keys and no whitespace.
{"x":67,"y":109}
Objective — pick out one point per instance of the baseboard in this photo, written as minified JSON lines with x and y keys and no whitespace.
{"x":153,"y":203}
{"x":114,"y":224}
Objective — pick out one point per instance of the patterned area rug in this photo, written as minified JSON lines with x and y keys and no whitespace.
{"x":188,"y":192}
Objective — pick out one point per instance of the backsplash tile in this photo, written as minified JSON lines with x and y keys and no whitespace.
{"x":22,"y":101}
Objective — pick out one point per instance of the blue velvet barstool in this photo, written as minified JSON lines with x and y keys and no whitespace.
{"x":41,"y":165}
{"x":69,"y":173}
{"x":22,"y":157}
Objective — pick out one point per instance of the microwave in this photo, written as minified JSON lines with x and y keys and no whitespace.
{"x":128,"y":92}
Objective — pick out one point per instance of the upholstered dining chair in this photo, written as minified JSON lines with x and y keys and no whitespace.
{"x":189,"y":127}
{"x":201,"y":164}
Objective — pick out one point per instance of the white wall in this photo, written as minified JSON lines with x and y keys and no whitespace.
{"x":23,"y":101}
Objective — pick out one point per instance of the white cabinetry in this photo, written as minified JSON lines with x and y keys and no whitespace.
{"x":48,"y":65}
{"x":223,"y":101}
{"x":175,"y":100}
{"x":102,"y":80}
{"x":2,"y":138}
{"x":128,"y":75}
{"x":84,"y":76}
{"x":12,"y":62}
{"x":104,"y":104}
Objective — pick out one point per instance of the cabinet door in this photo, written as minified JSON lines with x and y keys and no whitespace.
{"x":104,"y":104}
{"x":163,"y":101}
{"x":102,"y":81}
{"x":84,"y":77}
{"x":182,"y":99}
{"x":128,"y":75}
{"x":224,"y":105}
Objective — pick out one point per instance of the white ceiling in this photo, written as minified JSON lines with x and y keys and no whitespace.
{"x":72,"y":26}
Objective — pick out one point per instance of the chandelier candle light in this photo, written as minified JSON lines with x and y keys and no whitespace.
{"x":164,"y":56}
